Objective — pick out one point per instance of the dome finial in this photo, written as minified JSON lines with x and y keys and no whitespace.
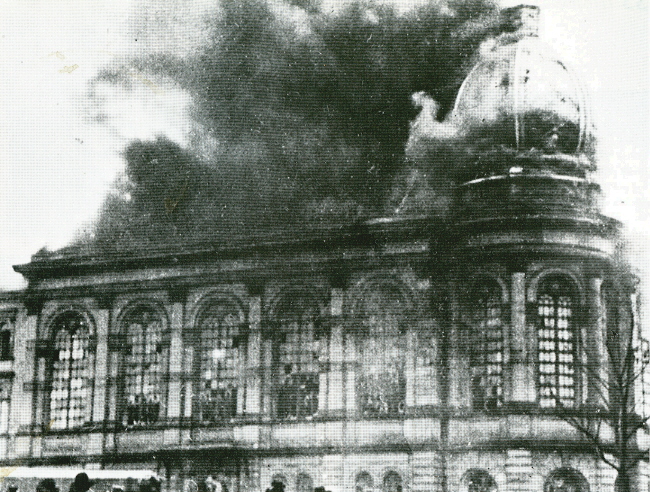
{"x":522,"y":20}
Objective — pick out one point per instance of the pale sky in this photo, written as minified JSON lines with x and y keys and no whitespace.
{"x":56,"y":165}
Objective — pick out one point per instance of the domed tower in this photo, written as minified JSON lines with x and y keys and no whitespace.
{"x":527,"y":116}
{"x":535,"y":272}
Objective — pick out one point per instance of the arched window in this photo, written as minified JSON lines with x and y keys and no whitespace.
{"x":566,"y":480}
{"x":478,"y":481}
{"x":557,"y":342}
{"x":392,"y":482}
{"x":7,"y":324}
{"x":364,"y":483}
{"x":145,"y":361}
{"x":278,"y":483}
{"x":487,"y":352}
{"x":70,"y":393}
{"x":222,"y":346}
{"x":299,"y":344}
{"x":304,"y":483}
{"x":381,"y":343}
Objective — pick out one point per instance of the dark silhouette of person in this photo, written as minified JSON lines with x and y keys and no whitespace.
{"x":276,"y":486}
{"x":81,"y":483}
{"x":47,"y":485}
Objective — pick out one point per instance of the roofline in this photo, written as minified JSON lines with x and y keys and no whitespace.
{"x":363,"y":233}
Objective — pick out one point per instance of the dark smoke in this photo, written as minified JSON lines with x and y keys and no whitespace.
{"x":302,"y":120}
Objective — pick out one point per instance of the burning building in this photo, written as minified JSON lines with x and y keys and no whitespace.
{"x":421,"y":352}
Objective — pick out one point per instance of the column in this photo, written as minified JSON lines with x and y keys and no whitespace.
{"x":351,"y":368}
{"x":102,"y":322}
{"x":596,"y":351}
{"x":175,"y":371}
{"x":335,"y":403}
{"x":522,"y":351}
{"x":459,"y":371}
{"x":21,"y":400}
{"x":253,"y":396}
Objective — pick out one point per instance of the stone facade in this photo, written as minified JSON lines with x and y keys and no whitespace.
{"x":420,"y":354}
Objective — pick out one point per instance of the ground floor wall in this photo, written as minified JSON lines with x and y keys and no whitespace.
{"x":512,"y":470}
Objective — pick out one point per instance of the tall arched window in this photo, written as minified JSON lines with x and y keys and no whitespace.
{"x":145,"y":361}
{"x":70,"y":393}
{"x":487,"y":352}
{"x":381,"y":343}
{"x":7,"y":327}
{"x":557,"y":342}
{"x":299,"y":345}
{"x":364,"y":482}
{"x":222,"y":346}
{"x":392,"y":482}
{"x":566,"y":480}
{"x":478,"y":481}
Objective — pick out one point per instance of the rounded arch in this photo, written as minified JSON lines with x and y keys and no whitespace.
{"x":217,"y":297}
{"x":70,"y":368}
{"x":138,"y":307}
{"x":557,"y":305}
{"x":218,"y":337}
{"x":279,"y":483}
{"x":143,"y":327}
{"x":63,"y":310}
{"x":566,"y":480}
{"x":363,"y":482}
{"x":487,"y":341}
{"x":379,"y":311}
{"x":299,"y":336}
{"x":392,"y":482}
{"x":478,"y":480}
{"x":566,"y":280}
{"x":296,"y":297}
{"x":364,"y":294}
{"x":482,"y":280}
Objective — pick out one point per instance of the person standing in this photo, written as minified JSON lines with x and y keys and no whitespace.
{"x":81,"y":483}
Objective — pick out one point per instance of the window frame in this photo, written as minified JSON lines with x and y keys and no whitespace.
{"x":297,"y":353}
{"x":469,"y":475}
{"x":388,"y":476}
{"x":87,"y":371}
{"x":362,"y":324}
{"x":488,"y":294}
{"x":238,"y":359}
{"x":562,"y":286}
{"x":364,"y":482}
{"x":162,"y":374}
{"x":565,"y":472}
{"x":7,"y":334}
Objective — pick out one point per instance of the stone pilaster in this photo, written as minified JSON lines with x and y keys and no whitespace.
{"x":335,"y":395}
{"x":21,"y":397}
{"x":428,"y":472}
{"x":596,"y":351}
{"x":175,"y":370}
{"x":521,"y":349}
{"x":253,"y":397}
{"x":519,"y":470}
{"x":102,"y":326}
{"x":459,"y":372}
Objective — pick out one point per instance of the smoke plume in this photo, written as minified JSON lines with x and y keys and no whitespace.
{"x":299,"y":117}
